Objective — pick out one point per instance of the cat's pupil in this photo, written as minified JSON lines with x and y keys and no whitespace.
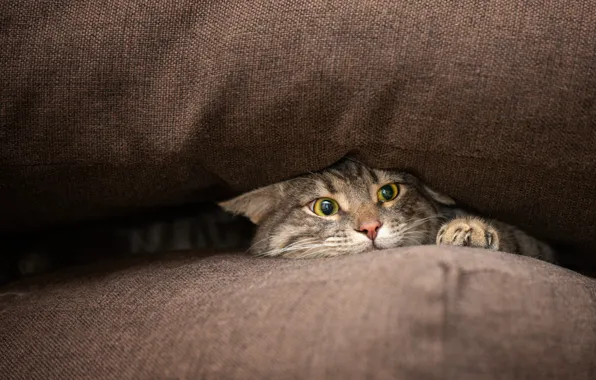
{"x":327,"y":207}
{"x":387,"y":192}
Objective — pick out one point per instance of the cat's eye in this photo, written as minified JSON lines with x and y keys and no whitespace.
{"x":324,"y":207}
{"x":388,"y":192}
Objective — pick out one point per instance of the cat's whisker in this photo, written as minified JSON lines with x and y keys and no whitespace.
{"x":314,"y":250}
{"x":403,"y":237}
{"x":417,"y":223}
{"x":299,"y":245}
{"x":422,"y":220}
{"x":412,"y":238}
{"x":306,"y":253}
{"x":286,"y":249}
{"x":315,"y":253}
{"x":276,"y":250}
{"x":302,"y":241}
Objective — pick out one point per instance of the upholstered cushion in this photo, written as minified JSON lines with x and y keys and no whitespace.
{"x":415,"y":313}
{"x":108,"y":106}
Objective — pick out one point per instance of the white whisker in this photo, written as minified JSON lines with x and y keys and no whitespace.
{"x":417,"y":223}
{"x":302,"y":244}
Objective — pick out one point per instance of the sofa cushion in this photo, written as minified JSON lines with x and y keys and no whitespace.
{"x":414,"y":313}
{"x":109,"y":106}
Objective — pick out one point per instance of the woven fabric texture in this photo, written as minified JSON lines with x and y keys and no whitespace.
{"x":110,"y":106}
{"x":415,"y":313}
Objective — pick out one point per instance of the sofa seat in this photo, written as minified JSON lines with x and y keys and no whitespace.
{"x":411,"y":313}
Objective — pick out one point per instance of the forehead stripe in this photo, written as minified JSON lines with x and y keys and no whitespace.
{"x":373,"y":175}
{"x":359,"y":170}
{"x":328,"y":184}
{"x":339,"y":175}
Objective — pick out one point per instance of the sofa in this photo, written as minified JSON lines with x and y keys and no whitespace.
{"x":110,"y":108}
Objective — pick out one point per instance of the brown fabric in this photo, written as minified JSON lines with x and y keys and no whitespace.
{"x":113,"y":105}
{"x":416,"y":313}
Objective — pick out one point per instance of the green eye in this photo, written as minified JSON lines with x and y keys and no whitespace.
{"x":388,"y":192}
{"x":324,"y":207}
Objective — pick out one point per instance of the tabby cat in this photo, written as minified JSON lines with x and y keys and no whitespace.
{"x":351,"y":208}
{"x":348,"y":208}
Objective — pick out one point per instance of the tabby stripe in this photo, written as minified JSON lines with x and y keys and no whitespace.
{"x":338,"y":175}
{"x":292,"y":240}
{"x":373,"y":175}
{"x":359,"y":172}
{"x":328,"y":184}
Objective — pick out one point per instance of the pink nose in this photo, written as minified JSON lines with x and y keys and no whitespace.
{"x":371,"y":228}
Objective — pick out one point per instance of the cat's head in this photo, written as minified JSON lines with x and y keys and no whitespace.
{"x":348,"y":208}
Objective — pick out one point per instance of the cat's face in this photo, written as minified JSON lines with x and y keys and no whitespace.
{"x":348,"y":208}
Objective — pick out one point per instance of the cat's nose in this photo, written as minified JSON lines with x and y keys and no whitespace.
{"x":371,"y":228}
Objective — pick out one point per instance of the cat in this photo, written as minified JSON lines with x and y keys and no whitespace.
{"x":351,"y":208}
{"x":345,"y":209}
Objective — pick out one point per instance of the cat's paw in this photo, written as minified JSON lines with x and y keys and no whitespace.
{"x":468,"y":232}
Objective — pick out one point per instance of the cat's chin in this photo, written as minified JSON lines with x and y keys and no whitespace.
{"x":370,"y":248}
{"x":377,"y":245}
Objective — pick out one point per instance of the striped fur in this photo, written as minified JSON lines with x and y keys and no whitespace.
{"x":287,"y":227}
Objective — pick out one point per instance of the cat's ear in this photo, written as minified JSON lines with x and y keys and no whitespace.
{"x":255,"y":204}
{"x":427,"y":191}
{"x":437,"y":196}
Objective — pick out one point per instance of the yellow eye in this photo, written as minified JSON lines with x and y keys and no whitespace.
{"x":388,"y":192}
{"x":324,"y":207}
